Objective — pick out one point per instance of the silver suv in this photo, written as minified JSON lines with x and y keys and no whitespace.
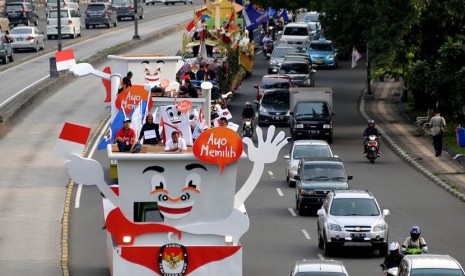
{"x":352,"y":217}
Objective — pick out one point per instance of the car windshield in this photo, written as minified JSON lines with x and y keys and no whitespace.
{"x":354,"y":207}
{"x":294,"y":68}
{"x":121,"y":2}
{"x":322,"y":172}
{"x":54,"y":14}
{"x":321,"y":46}
{"x":436,"y":271}
{"x":269,"y":83}
{"x":319,"y":273}
{"x":11,"y":8}
{"x":298,"y":31}
{"x":275,"y":99}
{"x":315,"y":110}
{"x":282,"y":52}
{"x":21,"y":31}
{"x":95,"y":7}
{"x":311,"y":151}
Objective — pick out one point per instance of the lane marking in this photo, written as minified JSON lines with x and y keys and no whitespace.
{"x":77,"y":200}
{"x":22,"y":91}
{"x":280,"y":193}
{"x":292,"y":212}
{"x":307,"y":236}
{"x":320,"y":256}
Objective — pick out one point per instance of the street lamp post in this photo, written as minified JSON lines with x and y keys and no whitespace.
{"x":368,"y":74}
{"x":136,"y":17}
{"x":59,"y":24}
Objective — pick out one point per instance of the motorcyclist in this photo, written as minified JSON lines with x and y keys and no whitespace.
{"x":370,"y":130}
{"x":267,"y":38}
{"x":414,"y":241}
{"x":248,"y":113}
{"x":394,"y":258}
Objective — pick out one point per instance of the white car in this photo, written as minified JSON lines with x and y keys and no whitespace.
{"x":70,"y":4}
{"x":296,"y":33}
{"x":70,"y":23}
{"x":429,"y":265}
{"x":304,"y":148}
{"x":349,"y":218}
{"x":27,"y":38}
{"x":319,"y":267}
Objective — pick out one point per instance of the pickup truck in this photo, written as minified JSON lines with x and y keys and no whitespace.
{"x":311,"y":113}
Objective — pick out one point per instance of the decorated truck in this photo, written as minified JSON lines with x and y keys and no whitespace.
{"x":170,"y":213}
{"x":216,"y":36}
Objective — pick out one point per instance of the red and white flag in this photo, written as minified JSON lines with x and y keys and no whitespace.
{"x":355,"y":57}
{"x":65,"y":59}
{"x":72,"y":140}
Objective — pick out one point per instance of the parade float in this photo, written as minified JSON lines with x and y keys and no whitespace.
{"x":216,"y":36}
{"x":170,"y":214}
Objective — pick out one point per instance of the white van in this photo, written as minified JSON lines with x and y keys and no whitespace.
{"x":70,"y":23}
{"x":296,"y":33}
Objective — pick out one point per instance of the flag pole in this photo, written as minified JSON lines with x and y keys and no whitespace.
{"x":368,"y":74}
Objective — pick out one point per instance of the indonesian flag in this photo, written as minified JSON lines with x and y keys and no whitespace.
{"x":355,"y":57}
{"x":72,"y":140}
{"x":65,"y":59}
{"x":191,"y":25}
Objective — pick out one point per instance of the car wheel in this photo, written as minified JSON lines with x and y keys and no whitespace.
{"x":297,"y":204}
{"x":153,"y":3}
{"x":301,"y":210}
{"x":166,"y":4}
{"x":320,"y":239}
{"x":327,"y":248}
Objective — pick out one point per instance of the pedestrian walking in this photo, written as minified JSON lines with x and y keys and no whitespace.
{"x":438,"y":125}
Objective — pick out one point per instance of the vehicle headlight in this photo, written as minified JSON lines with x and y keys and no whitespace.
{"x":330,"y":57}
{"x":299,"y":126}
{"x":306,"y":192}
{"x":380,"y":227}
{"x":334,"y":227}
{"x":327,"y":126}
{"x":263,"y":110}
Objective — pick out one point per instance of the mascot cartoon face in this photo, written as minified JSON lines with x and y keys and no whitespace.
{"x":175,"y":120}
{"x":152,"y":72}
{"x":176,"y":199}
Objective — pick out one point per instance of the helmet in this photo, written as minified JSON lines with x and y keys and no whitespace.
{"x":371,"y":122}
{"x":415,"y":233}
{"x":393,"y":246}
{"x":248,"y":104}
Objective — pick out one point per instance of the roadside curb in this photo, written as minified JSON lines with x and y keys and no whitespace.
{"x":405,"y":156}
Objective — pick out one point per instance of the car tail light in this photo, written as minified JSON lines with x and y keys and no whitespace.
{"x":30,"y":37}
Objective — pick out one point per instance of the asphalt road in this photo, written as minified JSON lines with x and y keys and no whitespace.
{"x":33,"y":182}
{"x":150,"y":12}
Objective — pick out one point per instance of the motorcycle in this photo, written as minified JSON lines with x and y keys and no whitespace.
{"x":247,"y":128}
{"x":372,"y":148}
{"x":268,"y":49}
{"x":221,"y":102}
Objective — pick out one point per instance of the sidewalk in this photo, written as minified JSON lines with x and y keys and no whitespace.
{"x":401,"y":136}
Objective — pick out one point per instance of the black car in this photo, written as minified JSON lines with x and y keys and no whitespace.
{"x":299,"y":71}
{"x":274,"y":107}
{"x":100,"y":14}
{"x":126,"y":9}
{"x":22,"y":13}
